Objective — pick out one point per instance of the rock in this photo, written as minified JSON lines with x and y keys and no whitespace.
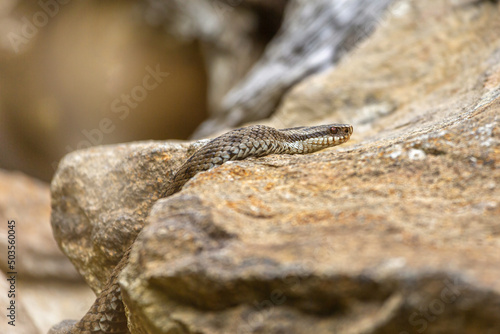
{"x":27,"y":201}
{"x":396,"y":231}
{"x":44,"y":274}
{"x":399,"y":74}
{"x":350,"y":240}
{"x":16,"y":319}
{"x":100,"y":198}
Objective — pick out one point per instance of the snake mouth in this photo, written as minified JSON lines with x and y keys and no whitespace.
{"x":347,"y":132}
{"x":343,"y":139}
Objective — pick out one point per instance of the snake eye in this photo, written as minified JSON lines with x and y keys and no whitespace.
{"x":334,"y":130}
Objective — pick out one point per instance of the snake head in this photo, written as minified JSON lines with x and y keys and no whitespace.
{"x":304,"y":140}
{"x":341,"y":129}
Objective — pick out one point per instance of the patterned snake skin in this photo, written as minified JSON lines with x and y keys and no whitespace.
{"x":107,"y":314}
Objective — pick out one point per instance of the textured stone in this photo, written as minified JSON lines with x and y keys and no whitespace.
{"x":396,"y":231}
{"x":349,"y":241}
{"x":101,"y":196}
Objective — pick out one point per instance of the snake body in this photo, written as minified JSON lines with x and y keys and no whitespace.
{"x":258,"y":141}
{"x":107,"y":314}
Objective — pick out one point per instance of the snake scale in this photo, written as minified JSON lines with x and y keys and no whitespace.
{"x":107,"y":314}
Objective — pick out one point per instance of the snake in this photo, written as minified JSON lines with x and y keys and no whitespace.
{"x":107,"y":314}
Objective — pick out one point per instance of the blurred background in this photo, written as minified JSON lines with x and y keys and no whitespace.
{"x":80,"y":73}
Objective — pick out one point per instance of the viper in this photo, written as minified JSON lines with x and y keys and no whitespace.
{"x":107,"y":314}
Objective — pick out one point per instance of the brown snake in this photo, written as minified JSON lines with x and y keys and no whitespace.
{"x":107,"y":314}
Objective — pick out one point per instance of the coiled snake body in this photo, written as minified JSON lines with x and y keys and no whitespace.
{"x":107,"y":314}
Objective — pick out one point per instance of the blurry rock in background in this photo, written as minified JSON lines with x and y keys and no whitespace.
{"x":90,"y":73}
{"x":48,"y":288}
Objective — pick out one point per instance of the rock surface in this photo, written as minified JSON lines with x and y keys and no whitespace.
{"x":95,"y":214}
{"x":396,"y":231}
